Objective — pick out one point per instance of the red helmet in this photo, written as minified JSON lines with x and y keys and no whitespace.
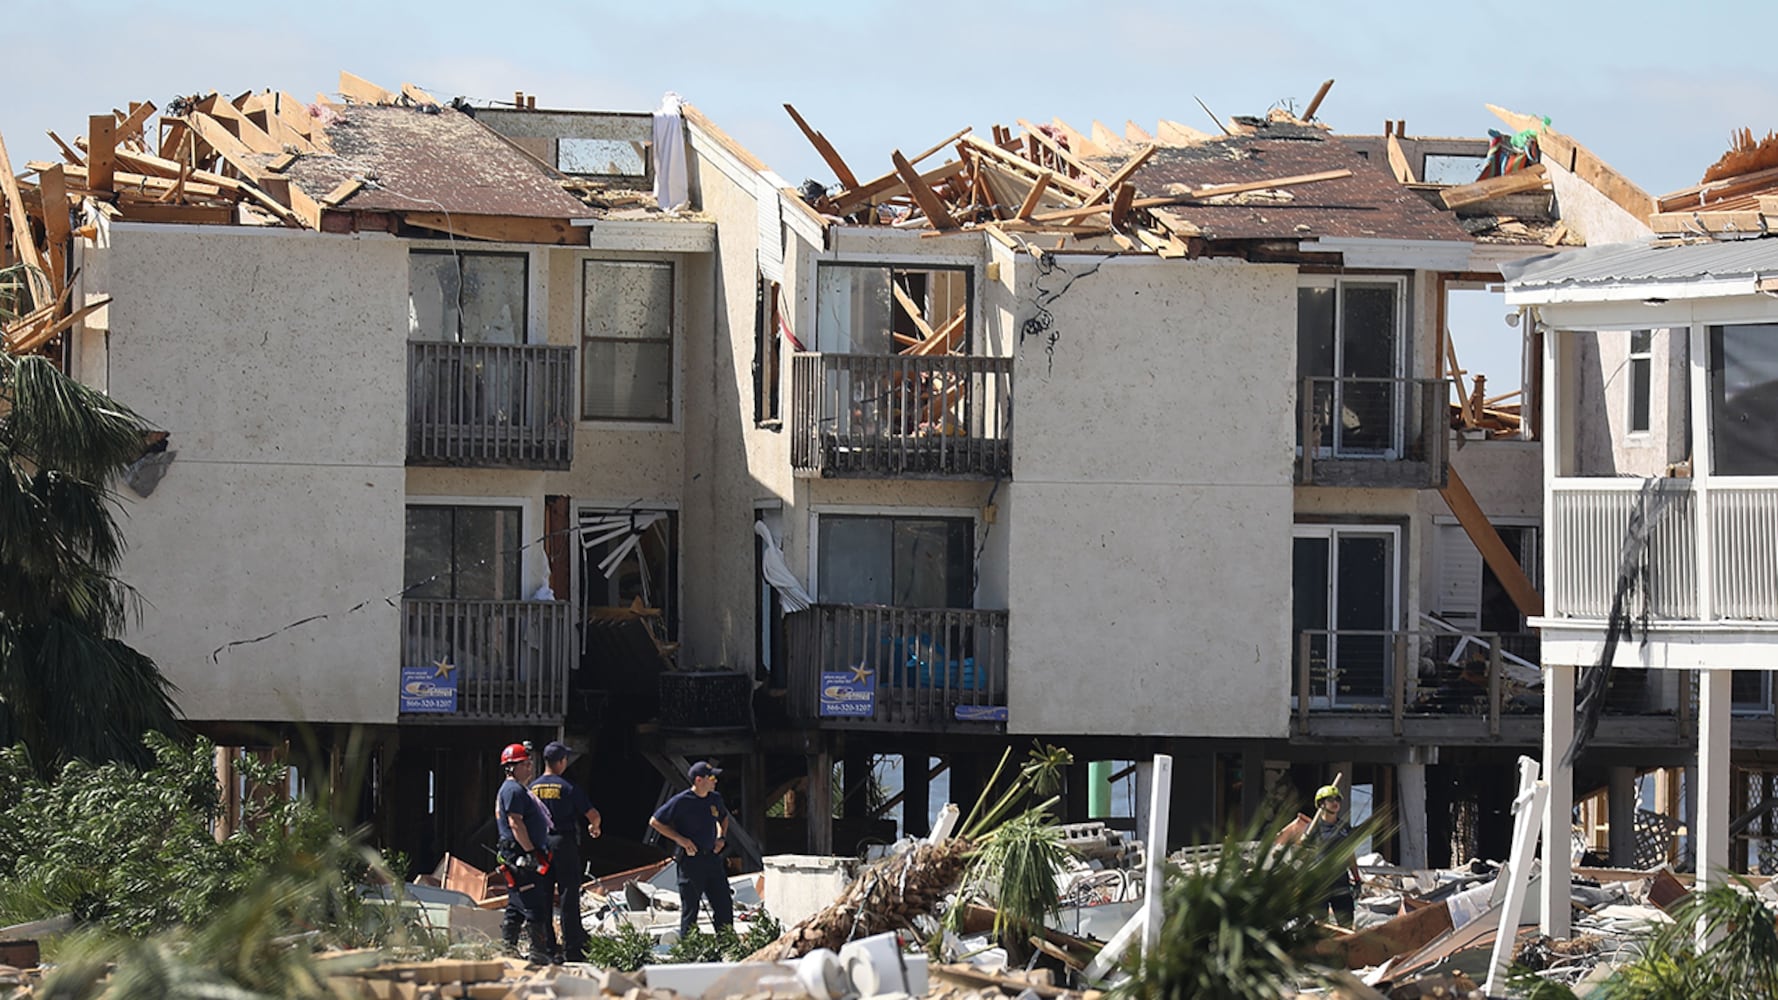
{"x":515,"y":753}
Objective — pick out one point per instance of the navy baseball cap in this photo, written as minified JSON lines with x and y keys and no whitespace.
{"x":704,"y":769}
{"x":555,"y":751}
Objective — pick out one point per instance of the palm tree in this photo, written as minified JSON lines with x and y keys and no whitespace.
{"x":1739,"y":960}
{"x":68,"y":686}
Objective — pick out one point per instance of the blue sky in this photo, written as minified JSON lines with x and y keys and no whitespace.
{"x":876,"y":76}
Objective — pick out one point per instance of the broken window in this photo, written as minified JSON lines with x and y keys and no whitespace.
{"x":768,"y":352}
{"x":1349,"y":343}
{"x":1744,"y":399}
{"x":462,"y":553}
{"x":878,"y":309}
{"x":1344,"y":596}
{"x":1641,"y":384}
{"x":907,"y":562}
{"x":629,"y":556}
{"x":467,"y":297}
{"x":626,"y":344}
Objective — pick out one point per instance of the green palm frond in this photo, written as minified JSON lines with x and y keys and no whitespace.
{"x":1739,"y":963}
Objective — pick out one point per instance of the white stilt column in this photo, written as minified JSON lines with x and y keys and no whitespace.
{"x":1711,"y":835}
{"x":1558,"y":819}
{"x":1621,"y":810}
{"x":1410,"y":780}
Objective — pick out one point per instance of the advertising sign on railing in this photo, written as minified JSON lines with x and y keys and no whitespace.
{"x":848,"y":694}
{"x":430,"y":689}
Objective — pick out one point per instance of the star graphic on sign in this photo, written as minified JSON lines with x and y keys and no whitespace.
{"x":442,"y":668}
{"x":860,"y":674}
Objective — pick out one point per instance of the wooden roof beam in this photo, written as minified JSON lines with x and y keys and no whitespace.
{"x":1580,"y":161}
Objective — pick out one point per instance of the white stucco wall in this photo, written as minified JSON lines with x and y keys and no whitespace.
{"x":277,"y":361}
{"x":1149,"y":558}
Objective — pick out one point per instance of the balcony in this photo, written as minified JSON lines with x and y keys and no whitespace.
{"x":1455,"y":688}
{"x":509,"y":660}
{"x":908,"y":669}
{"x":1723,"y":536}
{"x":901,"y":416}
{"x":1373,"y":432}
{"x":490,"y":405}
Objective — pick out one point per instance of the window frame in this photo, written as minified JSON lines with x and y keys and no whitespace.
{"x":671,"y":341}
{"x":970,"y":514}
{"x":892,"y":266}
{"x":526,"y":526}
{"x":1401,"y":360}
{"x":674,"y":590}
{"x":1639,"y":389}
{"x":1332,"y":531}
{"x":768,"y":355}
{"x":525,"y":301}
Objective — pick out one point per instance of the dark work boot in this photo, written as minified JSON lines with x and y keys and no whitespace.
{"x":540,"y":950}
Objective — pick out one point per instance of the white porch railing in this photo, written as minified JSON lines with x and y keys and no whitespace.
{"x":1712,"y":554}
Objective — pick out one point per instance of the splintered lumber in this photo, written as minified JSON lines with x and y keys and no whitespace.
{"x":1177,"y":134}
{"x":929,"y":202}
{"x":944,"y":340}
{"x":23,"y":243}
{"x":1532,"y":178}
{"x":502,"y":228}
{"x":1710,"y":222}
{"x":101,"y":151}
{"x":1580,"y":161}
{"x":30,"y":340}
{"x":914,"y":311}
{"x":68,"y":152}
{"x":1120,"y":204}
{"x":825,"y":148}
{"x":1702,"y":195}
{"x":357,"y":88}
{"x":1033,"y":196}
{"x":1043,"y":139}
{"x":1494,"y":552}
{"x":1398,"y":161}
{"x":345,"y":189}
{"x":1136,"y":133}
{"x":54,"y":189}
{"x":1218,"y":190}
{"x":889,"y":185}
{"x":243,"y":128}
{"x":418,"y":96}
{"x":131,"y":124}
{"x":1123,"y":173}
{"x":1077,"y":140}
{"x":1315,"y":102}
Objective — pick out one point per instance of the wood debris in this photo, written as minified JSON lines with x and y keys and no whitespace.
{"x":1047,"y":185}
{"x":207,"y":160}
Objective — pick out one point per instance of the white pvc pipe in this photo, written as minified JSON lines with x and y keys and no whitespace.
{"x":1528,"y":810}
{"x":1160,"y":797}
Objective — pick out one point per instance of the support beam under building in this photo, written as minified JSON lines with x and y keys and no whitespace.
{"x":820,"y":801}
{"x":1410,"y":780}
{"x":1558,"y":820}
{"x":1620,"y":799}
{"x":1714,"y":771}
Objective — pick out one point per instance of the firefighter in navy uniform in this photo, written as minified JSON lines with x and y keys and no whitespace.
{"x":524,"y":855}
{"x":568,"y":811}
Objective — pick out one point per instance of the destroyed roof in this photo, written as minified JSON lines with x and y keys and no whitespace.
{"x":1366,"y":204}
{"x":430,"y":158}
{"x":1683,"y":269}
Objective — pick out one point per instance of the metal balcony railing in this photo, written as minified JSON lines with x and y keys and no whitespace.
{"x":1589,"y":524}
{"x":1379,"y":432}
{"x":505,"y":405}
{"x":915,"y":669}
{"x":508,"y":660}
{"x":871,"y":415}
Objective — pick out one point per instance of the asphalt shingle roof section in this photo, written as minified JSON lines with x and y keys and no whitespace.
{"x":432,"y":162}
{"x":1367,"y":205}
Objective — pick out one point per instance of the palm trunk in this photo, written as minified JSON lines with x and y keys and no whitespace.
{"x":885,"y":897}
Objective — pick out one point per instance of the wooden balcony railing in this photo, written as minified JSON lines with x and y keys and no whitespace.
{"x":915,"y":669}
{"x":1377,"y":432}
{"x":509,"y":660}
{"x":869,"y":415}
{"x":1450,"y":685}
{"x":498,"y":405}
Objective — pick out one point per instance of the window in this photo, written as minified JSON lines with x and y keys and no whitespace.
{"x":463,"y":553}
{"x":1344,"y":595}
{"x":1641,"y":376}
{"x":768,"y":352}
{"x":875,"y":309}
{"x":467,"y":297}
{"x":906,"y":562}
{"x":1350,"y":342}
{"x":626,"y":340}
{"x":631,"y":555}
{"x":1744,"y":399}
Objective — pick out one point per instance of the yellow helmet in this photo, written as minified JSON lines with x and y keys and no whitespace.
{"x":1326,"y":792}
